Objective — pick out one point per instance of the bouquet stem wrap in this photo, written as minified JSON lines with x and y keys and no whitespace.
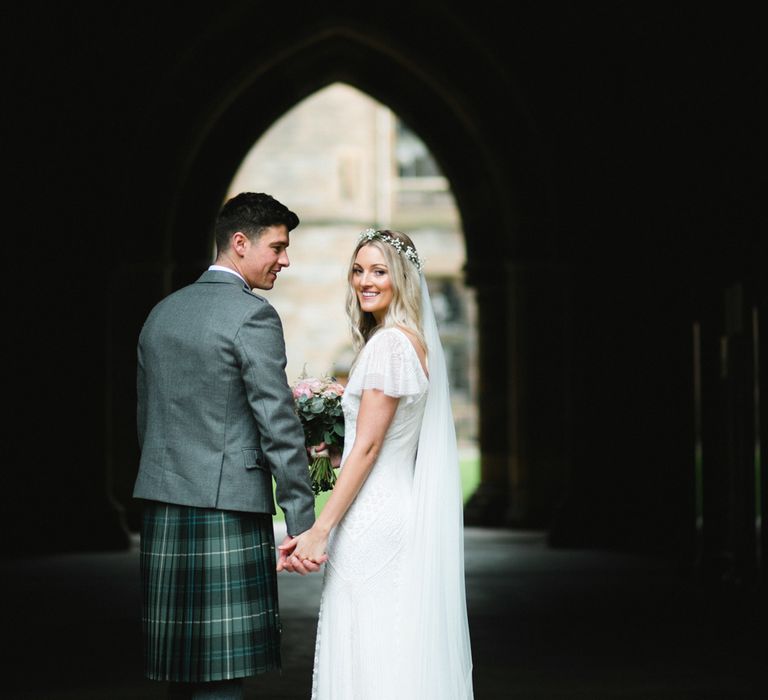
{"x":321,"y":471}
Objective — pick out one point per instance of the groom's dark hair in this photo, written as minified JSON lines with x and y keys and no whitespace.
{"x":251,"y":213}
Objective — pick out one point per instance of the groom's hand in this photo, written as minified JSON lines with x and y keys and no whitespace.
{"x":285,"y":549}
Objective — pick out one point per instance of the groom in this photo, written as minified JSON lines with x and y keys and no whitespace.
{"x":216,"y":423}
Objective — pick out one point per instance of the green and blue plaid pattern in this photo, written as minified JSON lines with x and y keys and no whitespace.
{"x":209,"y":593}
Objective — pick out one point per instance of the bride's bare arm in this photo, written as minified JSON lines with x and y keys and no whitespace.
{"x":373,"y":420}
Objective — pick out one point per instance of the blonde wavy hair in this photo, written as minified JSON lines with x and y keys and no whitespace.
{"x":405,"y":309}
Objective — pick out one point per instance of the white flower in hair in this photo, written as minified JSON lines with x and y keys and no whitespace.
{"x":370,"y":233}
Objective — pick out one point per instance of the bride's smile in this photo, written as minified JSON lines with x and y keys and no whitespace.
{"x":370,"y":278}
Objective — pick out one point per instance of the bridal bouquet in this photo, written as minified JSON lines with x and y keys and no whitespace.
{"x":318,"y":405}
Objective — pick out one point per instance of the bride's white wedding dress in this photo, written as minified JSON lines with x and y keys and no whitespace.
{"x":360,"y":635}
{"x":393,"y":615}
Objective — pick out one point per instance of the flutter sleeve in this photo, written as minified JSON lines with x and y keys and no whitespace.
{"x":389,"y":363}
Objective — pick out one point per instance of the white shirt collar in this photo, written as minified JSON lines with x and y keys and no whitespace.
{"x":221,"y":268}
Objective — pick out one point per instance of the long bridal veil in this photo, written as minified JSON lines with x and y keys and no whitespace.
{"x":440,"y":664}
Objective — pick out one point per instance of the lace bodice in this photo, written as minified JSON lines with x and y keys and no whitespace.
{"x":388,"y":362}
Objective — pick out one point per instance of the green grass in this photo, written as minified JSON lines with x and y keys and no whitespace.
{"x":470,"y":475}
{"x":470,"y":478}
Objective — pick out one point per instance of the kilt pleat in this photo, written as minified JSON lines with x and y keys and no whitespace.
{"x":210,"y":609}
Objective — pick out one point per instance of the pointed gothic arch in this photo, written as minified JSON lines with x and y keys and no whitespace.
{"x":499,"y":186}
{"x":488,"y":152}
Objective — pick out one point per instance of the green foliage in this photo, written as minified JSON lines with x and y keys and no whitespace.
{"x":322,"y":419}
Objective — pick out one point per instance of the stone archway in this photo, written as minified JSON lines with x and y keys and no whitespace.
{"x":495,"y":175}
{"x":121,"y":149}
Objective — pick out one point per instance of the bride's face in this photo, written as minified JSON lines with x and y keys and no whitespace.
{"x":371,"y":281}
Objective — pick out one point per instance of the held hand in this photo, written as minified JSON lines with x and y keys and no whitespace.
{"x":313,"y":450}
{"x":333,"y":452}
{"x":307,"y":551}
{"x":288,"y":560}
{"x":285,"y":548}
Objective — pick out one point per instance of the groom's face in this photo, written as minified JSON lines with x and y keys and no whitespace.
{"x":265,"y":257}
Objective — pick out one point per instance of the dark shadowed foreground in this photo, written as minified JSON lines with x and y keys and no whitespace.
{"x":546,"y":624}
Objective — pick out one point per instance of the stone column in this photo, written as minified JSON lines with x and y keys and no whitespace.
{"x":737,"y":379}
{"x":537,"y":391}
{"x":487,"y":506}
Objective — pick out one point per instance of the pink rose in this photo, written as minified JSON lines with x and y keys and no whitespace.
{"x":301,"y":389}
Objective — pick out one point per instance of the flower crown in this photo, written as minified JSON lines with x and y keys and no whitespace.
{"x":369,"y":234}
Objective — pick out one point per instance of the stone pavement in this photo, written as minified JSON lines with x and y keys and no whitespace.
{"x":546,"y":625}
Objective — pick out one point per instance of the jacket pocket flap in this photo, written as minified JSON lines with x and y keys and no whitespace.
{"x":252,"y":458}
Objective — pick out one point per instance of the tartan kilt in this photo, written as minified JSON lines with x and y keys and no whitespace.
{"x":209,"y":593}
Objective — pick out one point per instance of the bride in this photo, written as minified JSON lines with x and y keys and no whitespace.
{"x":393,"y":618}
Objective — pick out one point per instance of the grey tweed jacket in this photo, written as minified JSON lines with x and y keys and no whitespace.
{"x":215,"y":413}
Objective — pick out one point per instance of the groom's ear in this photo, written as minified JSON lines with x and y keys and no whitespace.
{"x":239,"y":242}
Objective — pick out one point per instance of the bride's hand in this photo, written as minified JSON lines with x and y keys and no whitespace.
{"x":310,"y":547}
{"x":334,"y":453}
